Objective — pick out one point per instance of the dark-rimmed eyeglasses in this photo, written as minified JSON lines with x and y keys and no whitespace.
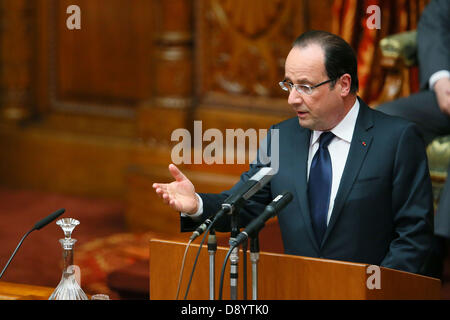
{"x":301,"y":88}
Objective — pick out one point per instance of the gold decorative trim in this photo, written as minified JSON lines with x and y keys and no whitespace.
{"x":401,"y":45}
{"x":173,"y":102}
{"x":173,"y":37}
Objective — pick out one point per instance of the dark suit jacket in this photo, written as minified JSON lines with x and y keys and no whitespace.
{"x":433,"y":42}
{"x":382,"y":213}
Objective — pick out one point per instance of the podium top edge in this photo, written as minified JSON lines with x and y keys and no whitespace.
{"x":184,"y":243}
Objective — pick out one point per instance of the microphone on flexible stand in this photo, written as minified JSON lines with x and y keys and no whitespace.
{"x":212,"y":249}
{"x":39,"y":225}
{"x":258,"y":223}
{"x":244,"y":192}
{"x":252,"y":231}
{"x":254,"y":258}
{"x":232,"y":203}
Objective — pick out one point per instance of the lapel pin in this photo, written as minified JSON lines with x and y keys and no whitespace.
{"x":364,"y":143}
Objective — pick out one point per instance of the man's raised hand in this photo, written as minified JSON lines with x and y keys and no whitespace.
{"x":179,"y":194}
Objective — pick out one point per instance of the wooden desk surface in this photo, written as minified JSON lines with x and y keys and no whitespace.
{"x":16,"y":291}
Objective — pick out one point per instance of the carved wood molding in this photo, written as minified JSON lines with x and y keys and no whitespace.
{"x":241,"y":48}
{"x":173,"y":58}
{"x":115,"y":109}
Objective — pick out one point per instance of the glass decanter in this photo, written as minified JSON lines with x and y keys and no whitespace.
{"x":68,"y":288}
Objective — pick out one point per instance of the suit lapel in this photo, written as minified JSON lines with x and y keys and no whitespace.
{"x":360,"y":144}
{"x":300,"y":163}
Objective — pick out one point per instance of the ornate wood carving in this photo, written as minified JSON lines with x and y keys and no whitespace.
{"x":242,"y":46}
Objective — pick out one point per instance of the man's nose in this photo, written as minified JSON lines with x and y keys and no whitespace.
{"x":294,"y":97}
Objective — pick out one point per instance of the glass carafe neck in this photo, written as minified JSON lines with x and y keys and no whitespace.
{"x":68,"y":246}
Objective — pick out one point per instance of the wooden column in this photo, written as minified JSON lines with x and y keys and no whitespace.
{"x":17,"y":38}
{"x":173,"y":66}
{"x":168,"y":109}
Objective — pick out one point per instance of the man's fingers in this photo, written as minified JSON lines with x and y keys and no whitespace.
{"x":159,"y":189}
{"x":169,"y":192}
{"x":444,"y":103}
{"x":173,"y":204}
{"x":160,"y":185}
{"x":176,"y":173}
{"x":166,"y":198}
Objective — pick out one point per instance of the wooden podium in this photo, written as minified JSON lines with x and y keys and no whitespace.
{"x":280,"y":277}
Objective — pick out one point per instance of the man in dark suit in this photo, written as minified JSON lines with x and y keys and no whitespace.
{"x":430,"y":108}
{"x":360,"y":178}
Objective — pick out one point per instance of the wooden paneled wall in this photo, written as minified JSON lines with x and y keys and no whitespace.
{"x":91,"y":111}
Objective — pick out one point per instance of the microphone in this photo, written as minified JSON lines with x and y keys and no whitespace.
{"x":201,"y":228}
{"x":258,"y":223}
{"x":251,"y":186}
{"x":244,"y":192}
{"x":39,"y":225}
{"x":42,"y":223}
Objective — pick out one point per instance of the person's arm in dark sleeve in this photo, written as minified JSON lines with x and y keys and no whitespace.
{"x":412,"y":205}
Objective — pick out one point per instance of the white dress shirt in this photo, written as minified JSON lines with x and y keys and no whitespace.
{"x":338,"y":149}
{"x":437,"y":76}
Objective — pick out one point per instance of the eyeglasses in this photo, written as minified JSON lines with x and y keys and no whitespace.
{"x":301,"y":88}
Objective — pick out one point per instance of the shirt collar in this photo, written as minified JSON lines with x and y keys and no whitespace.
{"x":344,"y":129}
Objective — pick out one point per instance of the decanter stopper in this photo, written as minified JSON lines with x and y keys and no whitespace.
{"x":67,"y":225}
{"x":68,"y":288}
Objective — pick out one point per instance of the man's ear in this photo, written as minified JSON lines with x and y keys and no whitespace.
{"x":345,"y":83}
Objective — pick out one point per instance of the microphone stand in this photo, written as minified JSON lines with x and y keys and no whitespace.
{"x":244,"y":267}
{"x":212,"y":248}
{"x":251,"y":229}
{"x":254,"y":258}
{"x":234,"y":257}
{"x":37,"y":226}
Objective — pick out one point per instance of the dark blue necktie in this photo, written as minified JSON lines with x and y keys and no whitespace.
{"x":319,"y":185}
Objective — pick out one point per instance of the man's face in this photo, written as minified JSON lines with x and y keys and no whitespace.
{"x":324,"y":108}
